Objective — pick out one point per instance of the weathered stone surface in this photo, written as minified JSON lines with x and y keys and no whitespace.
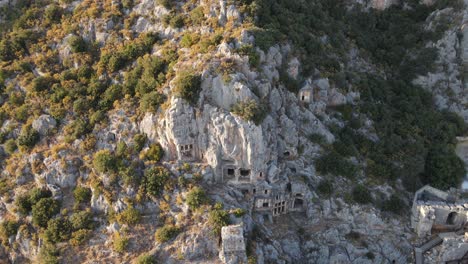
{"x":232,"y":245}
{"x":44,"y":124}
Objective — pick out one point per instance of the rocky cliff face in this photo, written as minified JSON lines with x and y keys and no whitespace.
{"x":263,"y":172}
{"x":448,"y":81}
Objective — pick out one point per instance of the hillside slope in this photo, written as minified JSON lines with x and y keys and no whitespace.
{"x":132,"y":131}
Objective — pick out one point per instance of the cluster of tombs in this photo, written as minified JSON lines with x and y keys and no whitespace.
{"x":269,"y":197}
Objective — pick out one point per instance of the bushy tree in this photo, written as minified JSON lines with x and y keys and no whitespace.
{"x":129,"y":216}
{"x":196,"y":197}
{"x":395,"y":204}
{"x":82,"y":220}
{"x":188,"y":86}
{"x":155,"y":180}
{"x":37,"y":194}
{"x":44,"y":210}
{"x":28,"y":137}
{"x":150,"y":102}
{"x":82,"y":194}
{"x":58,"y":230}
{"x":154,"y":153}
{"x":217,"y":218}
{"x":139,"y":141}
{"x":361,"y":194}
{"x":443,"y":168}
{"x":166,"y":233}
{"x":325,"y":188}
{"x":42,"y":83}
{"x":249,"y":110}
{"x":23,"y":204}
{"x":104,"y":161}
{"x":80,"y":237}
{"x":10,"y":146}
{"x":77,"y":44}
{"x":8,"y":228}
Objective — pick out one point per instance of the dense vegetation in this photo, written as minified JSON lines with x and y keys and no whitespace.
{"x":416,"y":141}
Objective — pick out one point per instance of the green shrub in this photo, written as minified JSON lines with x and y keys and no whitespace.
{"x":150,"y":102}
{"x":37,"y":194}
{"x":196,"y":197}
{"x":23,"y":204}
{"x":318,"y":139}
{"x":370,"y":255}
{"x":104,"y":161}
{"x":82,"y":194}
{"x":42,"y":83}
{"x":166,"y":3}
{"x":218,"y":218}
{"x":129,"y":175}
{"x":325,"y":188}
{"x":139,"y":141}
{"x":250,"y":110}
{"x":116,"y":62}
{"x":443,"y":168}
{"x":80,"y":237}
{"x":155,"y":180}
{"x":121,"y":150}
{"x":10,"y":146}
{"x":111,"y":94}
{"x":177,"y":21}
{"x":77,"y":129}
{"x":77,"y":44}
{"x":395,"y":204}
{"x":197,"y":17}
{"x":166,"y":233}
{"x":81,"y":105}
{"x":28,"y":137}
{"x":146,"y":259}
{"x":8,"y":228}
{"x":82,"y":220}
{"x":129,"y":216}
{"x":239,"y":212}
{"x":361,"y":195}
{"x":49,"y":254}
{"x":189,"y":39}
{"x":44,"y":210}
{"x":120,"y":243}
{"x":154,"y":153}
{"x":249,"y":50}
{"x":58,"y":230}
{"x":188,"y":86}
{"x":53,"y":13}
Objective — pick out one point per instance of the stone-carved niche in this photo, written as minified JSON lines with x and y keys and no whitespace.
{"x":298,"y":202}
{"x":186,"y":151}
{"x":244,"y":175}
{"x":229,"y":172}
{"x":305,"y":95}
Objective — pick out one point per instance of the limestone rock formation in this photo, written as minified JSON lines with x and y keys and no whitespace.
{"x":44,"y":124}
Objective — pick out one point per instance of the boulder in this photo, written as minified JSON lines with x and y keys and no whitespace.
{"x":44,"y":124}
